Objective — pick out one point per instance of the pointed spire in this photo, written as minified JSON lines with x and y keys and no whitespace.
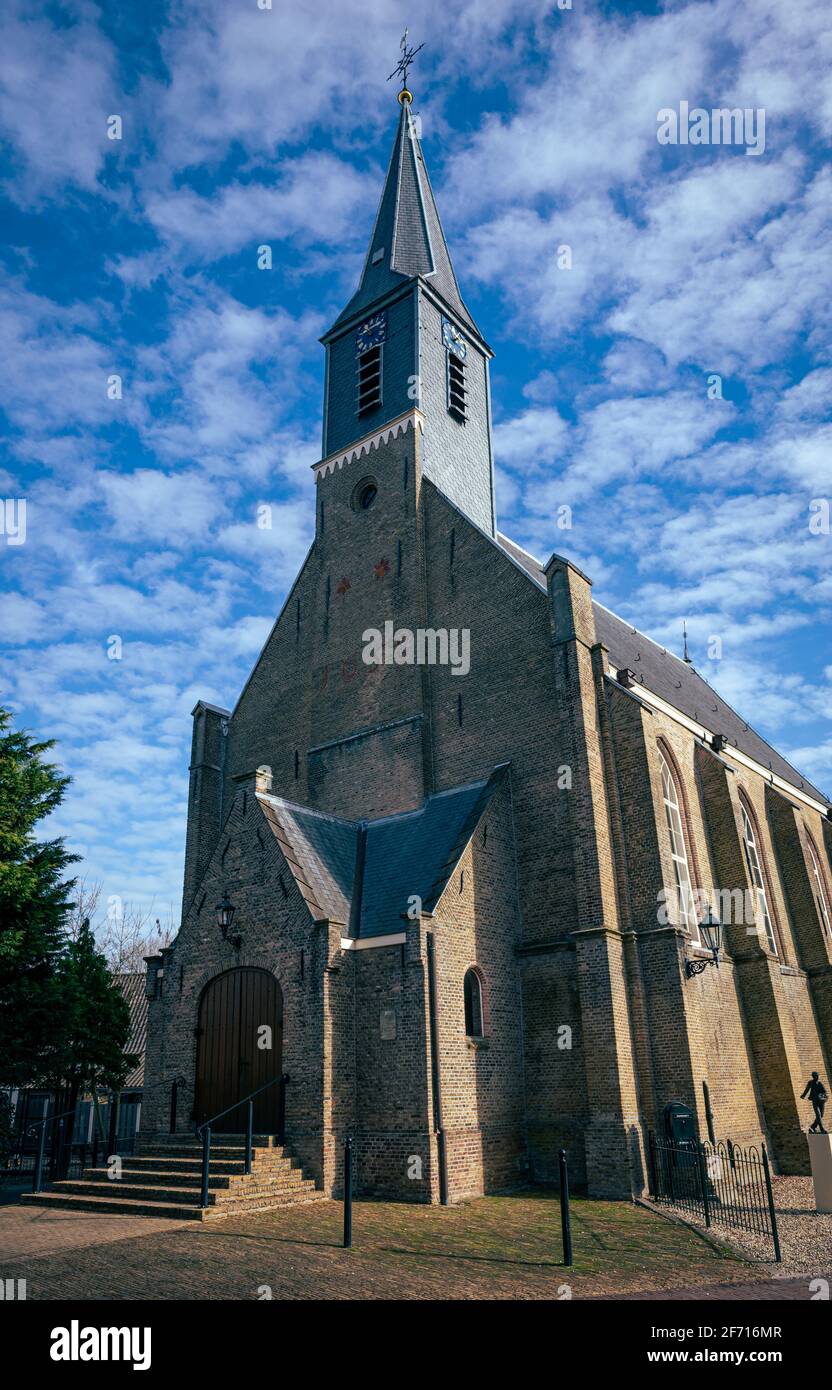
{"x":407,"y":239}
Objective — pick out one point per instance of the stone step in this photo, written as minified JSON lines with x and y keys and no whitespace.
{"x":221,"y":1182}
{"x":113,"y":1206}
{"x":186,"y":1170}
{"x":188,"y":1196}
{"x":165,"y":1180}
{"x":219,"y":1152}
{"x":176,"y":1166}
{"x":190,"y":1141}
{"x":116,"y":1206}
{"x":256,"y":1204}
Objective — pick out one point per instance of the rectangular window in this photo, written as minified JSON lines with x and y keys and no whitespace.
{"x":457,"y":393}
{"x":369,"y":381}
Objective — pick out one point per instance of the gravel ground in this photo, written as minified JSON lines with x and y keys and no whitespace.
{"x":805,"y":1234}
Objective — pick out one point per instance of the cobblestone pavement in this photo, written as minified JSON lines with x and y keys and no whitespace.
{"x":495,"y":1248}
{"x":32,"y":1231}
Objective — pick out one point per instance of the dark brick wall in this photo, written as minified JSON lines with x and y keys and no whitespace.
{"x":274,"y":929}
{"x":476,"y":924}
{"x":311,"y":686}
{"x":591,"y":857}
{"x":205,"y":790}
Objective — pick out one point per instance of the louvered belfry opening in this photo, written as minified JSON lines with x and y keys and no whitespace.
{"x":369,"y":381}
{"x":457,"y":394}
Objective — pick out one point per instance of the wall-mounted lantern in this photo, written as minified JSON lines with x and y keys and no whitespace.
{"x":225,"y":914}
{"x":710,"y":929}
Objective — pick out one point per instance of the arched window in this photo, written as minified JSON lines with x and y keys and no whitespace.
{"x":819,"y":889}
{"x":473,"y":1004}
{"x":678,"y":849}
{"x":756,"y":869}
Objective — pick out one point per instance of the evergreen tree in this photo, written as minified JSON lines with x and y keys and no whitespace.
{"x":87,"y":1047}
{"x":34,"y":904}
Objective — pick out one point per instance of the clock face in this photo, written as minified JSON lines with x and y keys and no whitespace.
{"x":454,"y":340}
{"x":371,"y":333}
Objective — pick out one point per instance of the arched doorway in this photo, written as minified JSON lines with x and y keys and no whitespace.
{"x":231,"y":1058}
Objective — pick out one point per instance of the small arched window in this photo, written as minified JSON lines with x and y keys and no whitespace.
{"x":819,"y":889}
{"x":678,"y":849}
{"x":473,"y":1004}
{"x":756,"y":869}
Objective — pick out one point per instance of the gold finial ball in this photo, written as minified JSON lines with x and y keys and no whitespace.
{"x":405,"y":95}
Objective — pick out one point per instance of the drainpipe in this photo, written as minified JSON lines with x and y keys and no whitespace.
{"x":434,"y":1067}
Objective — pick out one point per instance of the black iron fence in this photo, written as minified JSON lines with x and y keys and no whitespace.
{"x":19,"y":1165}
{"x":721,"y":1184}
{"x":49,"y":1145}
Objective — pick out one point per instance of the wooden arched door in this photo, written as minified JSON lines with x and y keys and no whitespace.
{"x":231,"y":1058}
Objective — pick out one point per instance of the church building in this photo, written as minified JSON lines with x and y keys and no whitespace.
{"x":457,"y":858}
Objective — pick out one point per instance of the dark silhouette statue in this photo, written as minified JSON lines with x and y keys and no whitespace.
{"x":816,"y":1091}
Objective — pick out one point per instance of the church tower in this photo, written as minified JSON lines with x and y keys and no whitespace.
{"x":406,"y":342}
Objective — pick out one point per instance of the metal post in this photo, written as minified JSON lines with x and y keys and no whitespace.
{"x":651,"y":1152}
{"x":57,"y":1150}
{"x":64,"y":1146}
{"x":249,"y":1129}
{"x":703,"y":1179}
{"x":37,"y":1181}
{"x":111,"y":1139}
{"x":565,"y":1223}
{"x":348,"y":1193}
{"x":206,"y":1164}
{"x":774,"y":1232}
{"x":436,"y":1078}
{"x":709,"y":1114}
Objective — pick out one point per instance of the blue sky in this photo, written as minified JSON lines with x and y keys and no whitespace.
{"x":245,"y":126}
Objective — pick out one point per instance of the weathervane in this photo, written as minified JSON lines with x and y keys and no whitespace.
{"x":401,"y":68}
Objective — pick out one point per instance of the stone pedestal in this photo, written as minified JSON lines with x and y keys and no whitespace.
{"x":820,"y":1154}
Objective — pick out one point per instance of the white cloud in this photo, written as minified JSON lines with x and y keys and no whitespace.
{"x":315,"y":201}
{"x":167,"y":508}
{"x":536,"y":436}
{"x":57,"y":89}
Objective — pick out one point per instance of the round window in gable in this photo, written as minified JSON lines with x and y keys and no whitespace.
{"x":364,"y":495}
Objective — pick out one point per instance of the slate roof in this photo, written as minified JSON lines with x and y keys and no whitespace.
{"x":408,"y":232}
{"x":320,"y":851}
{"x":674,"y":681}
{"x":362,"y":873}
{"x":133,"y":987}
{"x":417,"y":852}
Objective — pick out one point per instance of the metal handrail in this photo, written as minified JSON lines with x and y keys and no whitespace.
{"x":203,"y":1130}
{"x":30,"y":1128}
{"x":207,"y":1123}
{"x":26,"y":1130}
